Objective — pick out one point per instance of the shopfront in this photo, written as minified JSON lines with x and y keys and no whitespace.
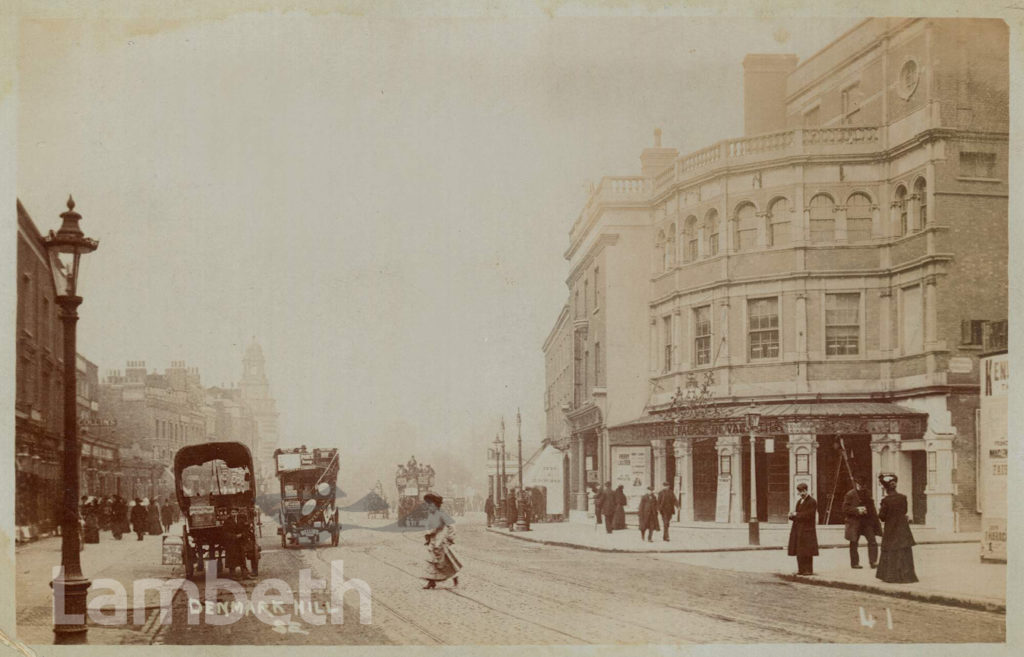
{"x":824,"y":445}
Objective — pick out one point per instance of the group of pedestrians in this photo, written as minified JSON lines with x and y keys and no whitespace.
{"x":513,"y":509}
{"x":610,"y":506}
{"x":120,"y":517}
{"x":894,"y":563}
{"x":652,"y":506}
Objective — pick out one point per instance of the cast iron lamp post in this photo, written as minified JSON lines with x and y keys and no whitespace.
{"x":753,"y":421}
{"x":65,"y":248}
{"x":521,"y":522}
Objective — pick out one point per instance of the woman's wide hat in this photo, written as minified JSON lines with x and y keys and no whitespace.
{"x":436,"y":499}
{"x":887,"y":479}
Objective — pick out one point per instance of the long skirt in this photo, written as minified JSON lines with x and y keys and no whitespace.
{"x":896,"y":566}
{"x":441,"y":563}
{"x":619,"y":520}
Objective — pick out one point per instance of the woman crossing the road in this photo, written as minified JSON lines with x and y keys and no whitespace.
{"x":441,"y":561}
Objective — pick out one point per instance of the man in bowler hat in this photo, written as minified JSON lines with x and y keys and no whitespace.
{"x":861,"y":520}
{"x":803,"y":535}
{"x":667,"y":505}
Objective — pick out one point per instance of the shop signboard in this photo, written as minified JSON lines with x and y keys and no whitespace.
{"x":631,"y":470}
{"x":993,"y":455}
{"x":171,"y":552}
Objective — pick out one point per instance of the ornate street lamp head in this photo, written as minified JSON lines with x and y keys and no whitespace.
{"x":753,"y":417}
{"x":65,"y":248}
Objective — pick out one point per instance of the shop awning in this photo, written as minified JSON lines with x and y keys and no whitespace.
{"x":782,"y":418}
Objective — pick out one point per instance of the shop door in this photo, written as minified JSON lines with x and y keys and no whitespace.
{"x":918,"y":482}
{"x":834,"y":479}
{"x":777,"y":495}
{"x":705,"y":479}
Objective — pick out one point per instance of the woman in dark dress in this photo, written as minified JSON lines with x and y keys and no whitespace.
{"x":619,"y":519}
{"x":896,"y":563}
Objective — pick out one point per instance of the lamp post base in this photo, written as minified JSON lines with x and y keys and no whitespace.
{"x":69,"y":608}
{"x":754,"y":533}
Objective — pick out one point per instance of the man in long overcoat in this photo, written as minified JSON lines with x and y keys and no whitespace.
{"x":489,"y":510}
{"x":861,"y":519}
{"x":803,"y":535}
{"x":648,"y":516}
{"x":667,"y":505}
{"x":599,"y":495}
{"x":139,"y":518}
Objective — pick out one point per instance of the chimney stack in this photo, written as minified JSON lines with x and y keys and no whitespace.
{"x":655,"y":160}
{"x":764,"y":92}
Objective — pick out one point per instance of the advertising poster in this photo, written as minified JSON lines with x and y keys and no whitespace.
{"x":631,"y":470}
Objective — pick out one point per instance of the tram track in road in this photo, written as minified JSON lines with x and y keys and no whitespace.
{"x":768,"y":622}
{"x":423,"y":629}
{"x":369,"y":552}
{"x":785,"y":631}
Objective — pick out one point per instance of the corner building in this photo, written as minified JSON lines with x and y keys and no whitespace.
{"x":837,"y":267}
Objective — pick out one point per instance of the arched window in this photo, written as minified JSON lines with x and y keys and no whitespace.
{"x":901,"y":207}
{"x":921,"y":192}
{"x":711,"y":232}
{"x":670,"y":248}
{"x":779,"y":232}
{"x":659,"y":249}
{"x":690,"y":238}
{"x":858,"y":218}
{"x":746,"y":227}
{"x":823,"y":220}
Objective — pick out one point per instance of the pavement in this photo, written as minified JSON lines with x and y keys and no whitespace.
{"x":122,"y":561}
{"x":948,"y":565}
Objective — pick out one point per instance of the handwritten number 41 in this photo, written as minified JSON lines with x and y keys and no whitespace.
{"x":867,"y":620}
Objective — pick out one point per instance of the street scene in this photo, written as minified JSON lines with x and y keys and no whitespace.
{"x":359,"y":330}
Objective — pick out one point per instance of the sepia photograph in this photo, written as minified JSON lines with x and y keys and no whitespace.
{"x":648,"y":326}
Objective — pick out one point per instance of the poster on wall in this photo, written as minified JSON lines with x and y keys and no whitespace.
{"x":547,"y":471}
{"x":631,"y":470}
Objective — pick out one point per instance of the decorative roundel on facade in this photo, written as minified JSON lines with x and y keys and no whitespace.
{"x":910,"y":74}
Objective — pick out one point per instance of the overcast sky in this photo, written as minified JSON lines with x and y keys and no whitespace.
{"x":382,"y":203}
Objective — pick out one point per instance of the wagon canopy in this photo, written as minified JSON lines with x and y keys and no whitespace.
{"x":232,"y":454}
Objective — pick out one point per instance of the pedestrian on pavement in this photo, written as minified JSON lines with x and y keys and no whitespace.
{"x":105,"y":513}
{"x":861,"y":520}
{"x":526,"y":506}
{"x":167,"y":515}
{"x":511,"y":510}
{"x":896,"y":563}
{"x":599,"y":495}
{"x":608,"y":506}
{"x":803,"y":535}
{"x":139,"y":518}
{"x":667,"y":505}
{"x":118,"y":517}
{"x":91,"y":515}
{"x":620,"y":508}
{"x":489,"y":510}
{"x":153,"y":515}
{"x":441,"y":560}
{"x":648,"y":515}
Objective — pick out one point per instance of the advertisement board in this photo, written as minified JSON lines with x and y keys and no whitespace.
{"x":547,"y":471}
{"x":993,"y":455}
{"x":631,"y":470}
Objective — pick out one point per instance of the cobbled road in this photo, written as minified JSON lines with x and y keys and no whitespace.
{"x":514,"y":592}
